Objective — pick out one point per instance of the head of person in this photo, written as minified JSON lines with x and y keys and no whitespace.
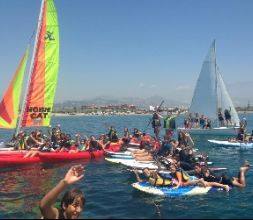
{"x":146,"y":172}
{"x":173,"y":143}
{"x":173,"y":168}
{"x":83,"y":141}
{"x":155,"y":115}
{"x":205,"y":172}
{"x":73,"y":203}
{"x":197,"y":168}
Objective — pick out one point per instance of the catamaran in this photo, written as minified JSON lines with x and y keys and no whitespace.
{"x":211,"y":97}
{"x":36,"y":108}
{"x":42,"y":78}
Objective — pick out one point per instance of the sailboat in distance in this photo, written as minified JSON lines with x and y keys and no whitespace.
{"x":39,"y":93}
{"x":211,"y":99}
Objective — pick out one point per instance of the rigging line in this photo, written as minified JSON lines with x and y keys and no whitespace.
{"x":32,"y":35}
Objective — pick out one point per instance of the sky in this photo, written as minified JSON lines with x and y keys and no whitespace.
{"x":136,"y":48}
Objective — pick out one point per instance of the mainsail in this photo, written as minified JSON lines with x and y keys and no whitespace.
{"x":9,"y":106}
{"x":39,"y":96}
{"x":210,"y":94}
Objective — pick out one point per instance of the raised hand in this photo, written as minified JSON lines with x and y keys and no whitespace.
{"x":74,"y":174}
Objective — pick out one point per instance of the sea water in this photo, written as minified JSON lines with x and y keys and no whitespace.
{"x":107,"y":186}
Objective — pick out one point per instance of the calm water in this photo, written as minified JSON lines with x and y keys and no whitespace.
{"x":108,"y":186}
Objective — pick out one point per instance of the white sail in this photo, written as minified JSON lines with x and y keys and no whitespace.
{"x":210,"y":93}
{"x":204,"y":100}
{"x":224,"y":100}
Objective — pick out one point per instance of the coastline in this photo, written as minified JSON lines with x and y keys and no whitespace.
{"x":245,"y":112}
{"x":118,"y":114}
{"x":84,"y":114}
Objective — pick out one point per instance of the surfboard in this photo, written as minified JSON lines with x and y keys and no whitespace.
{"x":169,"y":191}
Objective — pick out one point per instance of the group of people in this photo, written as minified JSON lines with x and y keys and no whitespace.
{"x":55,"y":140}
{"x":197,"y":121}
{"x":176,"y":155}
{"x":203,"y":177}
{"x":73,"y":201}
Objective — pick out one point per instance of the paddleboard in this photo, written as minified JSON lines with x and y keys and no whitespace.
{"x":169,"y":191}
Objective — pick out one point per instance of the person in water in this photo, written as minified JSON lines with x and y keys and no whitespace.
{"x":73,"y":201}
{"x":208,"y":176}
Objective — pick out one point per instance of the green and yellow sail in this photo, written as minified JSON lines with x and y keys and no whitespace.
{"x":43,"y":81}
{"x":9,"y":106}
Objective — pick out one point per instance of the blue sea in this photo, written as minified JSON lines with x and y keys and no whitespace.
{"x":107,"y":186}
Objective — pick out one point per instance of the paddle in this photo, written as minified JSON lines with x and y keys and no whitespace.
{"x":144,"y":131}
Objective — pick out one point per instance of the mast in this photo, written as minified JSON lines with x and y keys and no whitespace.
{"x":31,"y":68}
{"x":216,"y":80}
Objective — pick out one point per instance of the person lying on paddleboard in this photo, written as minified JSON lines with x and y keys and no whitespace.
{"x":73,"y":201}
{"x":208,"y":176}
{"x":176,"y":179}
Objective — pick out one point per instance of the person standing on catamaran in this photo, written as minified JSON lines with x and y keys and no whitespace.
{"x":228,"y":116}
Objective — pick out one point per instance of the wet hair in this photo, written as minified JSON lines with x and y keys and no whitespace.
{"x":70,"y":196}
{"x":196,"y":165}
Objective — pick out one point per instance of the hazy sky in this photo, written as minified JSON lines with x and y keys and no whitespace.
{"x":136,"y":48}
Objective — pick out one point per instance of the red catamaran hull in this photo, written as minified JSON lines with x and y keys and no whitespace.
{"x":14,"y":158}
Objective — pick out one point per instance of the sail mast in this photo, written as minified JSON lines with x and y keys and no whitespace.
{"x":31,"y":68}
{"x":216,"y":80}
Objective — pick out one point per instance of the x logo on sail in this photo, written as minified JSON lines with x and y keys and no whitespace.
{"x":49,"y":36}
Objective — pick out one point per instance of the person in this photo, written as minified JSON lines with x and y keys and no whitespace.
{"x":221,"y":119}
{"x":182,"y":178}
{"x":112,"y":134}
{"x":21,"y":141}
{"x":136,"y":133}
{"x":169,"y":122}
{"x":196,"y":120}
{"x":198,"y":170}
{"x":73,"y":201}
{"x":184,"y":139}
{"x":176,"y":179}
{"x":227,"y":116}
{"x":242,"y":131}
{"x":239,"y":181}
{"x":156,"y":124}
{"x":126,"y":136}
{"x":153,"y":178}
{"x":202,"y":121}
{"x":94,"y":145}
{"x":243,"y":124}
{"x":207,"y":124}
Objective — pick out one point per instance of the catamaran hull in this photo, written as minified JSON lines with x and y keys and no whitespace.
{"x":16,"y":158}
{"x":232,"y":131}
{"x":231,"y":144}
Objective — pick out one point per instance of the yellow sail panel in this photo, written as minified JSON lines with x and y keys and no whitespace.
{"x":9,"y":106}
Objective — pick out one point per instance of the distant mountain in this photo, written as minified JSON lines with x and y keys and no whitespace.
{"x":143,"y":103}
